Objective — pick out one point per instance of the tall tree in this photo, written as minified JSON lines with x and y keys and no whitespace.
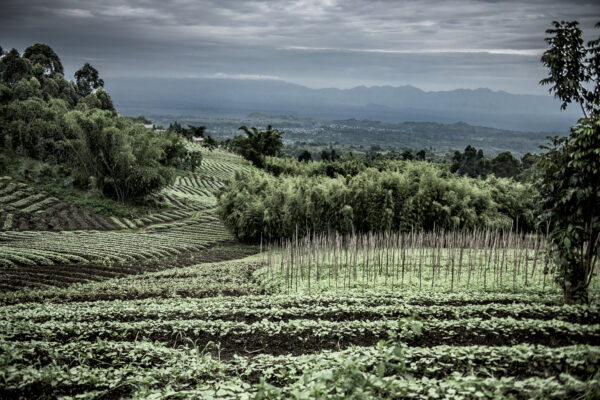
{"x":504,"y":165}
{"x":42,"y":54}
{"x":572,"y":66}
{"x":87,"y":79}
{"x":258,"y":144}
{"x":305,"y":156}
{"x":13,"y":68}
{"x":471,"y":163}
{"x":569,"y":188}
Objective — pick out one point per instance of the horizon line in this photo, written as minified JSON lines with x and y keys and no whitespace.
{"x":268,"y":78}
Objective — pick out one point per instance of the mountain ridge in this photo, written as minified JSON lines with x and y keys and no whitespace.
{"x":202,"y":96}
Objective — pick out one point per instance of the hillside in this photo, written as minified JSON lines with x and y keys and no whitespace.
{"x":47,"y":241}
{"x":167,"y":303}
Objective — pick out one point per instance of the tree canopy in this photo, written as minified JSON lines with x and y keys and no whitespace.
{"x":573,"y":66}
{"x":257,"y":144}
{"x":87,"y":79}
{"x":42,"y":54}
{"x":569,"y":184}
{"x":473,"y":163}
{"x":76,"y":126}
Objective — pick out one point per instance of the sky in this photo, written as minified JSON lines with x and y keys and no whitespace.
{"x":430,"y":44}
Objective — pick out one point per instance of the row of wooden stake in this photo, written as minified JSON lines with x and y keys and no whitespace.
{"x":454,"y":259}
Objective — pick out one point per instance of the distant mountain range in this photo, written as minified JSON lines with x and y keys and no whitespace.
{"x":237,"y":98}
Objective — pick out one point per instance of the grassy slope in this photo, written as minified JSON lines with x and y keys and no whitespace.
{"x":47,"y":241}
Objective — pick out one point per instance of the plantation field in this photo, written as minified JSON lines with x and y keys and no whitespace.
{"x":23,"y":208}
{"x":169,"y":305}
{"x":487,"y":260}
{"x":223,"y":330}
{"x":48,"y":242}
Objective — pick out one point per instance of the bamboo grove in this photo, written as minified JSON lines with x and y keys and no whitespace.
{"x":445,"y":260}
{"x":403,"y":196}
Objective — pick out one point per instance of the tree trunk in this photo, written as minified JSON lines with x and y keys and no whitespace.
{"x":576,"y":294}
{"x":576,"y":285}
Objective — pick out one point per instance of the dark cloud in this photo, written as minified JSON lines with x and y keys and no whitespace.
{"x":426,"y":43}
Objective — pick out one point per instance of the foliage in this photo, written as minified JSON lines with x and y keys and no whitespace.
{"x":569,"y":184}
{"x":416,"y":195}
{"x":13,"y":68}
{"x":140,"y":119}
{"x":348,"y":166}
{"x":87,"y":79}
{"x":176,"y":154}
{"x":569,"y":195}
{"x":292,"y":346}
{"x":572,"y":66}
{"x":121,"y":156}
{"x":45,"y":117}
{"x":305,"y":156}
{"x":192,"y":132}
{"x":285,"y":308}
{"x":258,"y":144}
{"x":42,"y":54}
{"x":330,"y":155}
{"x":473,"y":163}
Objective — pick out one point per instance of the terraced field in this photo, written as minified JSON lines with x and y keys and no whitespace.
{"x":195,"y":191}
{"x":48,"y":242}
{"x":136,"y":308}
{"x":23,"y":208}
{"x":214,"y":330}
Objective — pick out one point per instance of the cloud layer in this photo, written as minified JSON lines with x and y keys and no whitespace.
{"x":435,"y":45}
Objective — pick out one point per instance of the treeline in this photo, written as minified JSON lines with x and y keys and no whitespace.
{"x":413,"y":195}
{"x":473,"y":163}
{"x":74,"y":129}
{"x":343,"y":166}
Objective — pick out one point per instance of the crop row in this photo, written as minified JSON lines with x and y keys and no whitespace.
{"x":10,"y":257}
{"x":217,"y":169}
{"x":187,"y":200}
{"x":173,"y":309}
{"x":300,"y":336}
{"x":186,"y":188}
{"x":343,"y":383}
{"x":437,"y":361}
{"x":198,"y":184}
{"x":111,"y":246}
{"x":521,"y":360}
{"x":207,"y":280}
{"x":244,"y":278}
{"x":24,"y":208}
{"x":142,"y":369}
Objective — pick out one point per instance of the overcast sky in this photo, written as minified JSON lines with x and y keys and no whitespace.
{"x":434,"y":45}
